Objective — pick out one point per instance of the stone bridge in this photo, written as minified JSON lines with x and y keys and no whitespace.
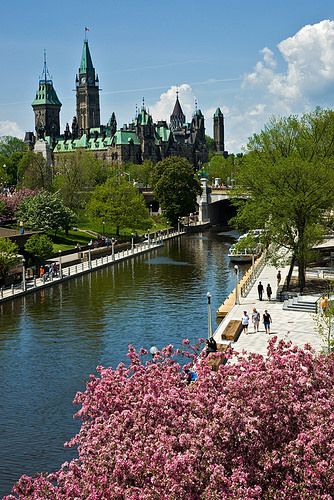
{"x":215,"y":205}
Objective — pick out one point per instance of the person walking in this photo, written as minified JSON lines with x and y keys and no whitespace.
{"x":260,"y":290}
{"x":269,"y":291}
{"x":267,"y":321}
{"x":279,"y":277}
{"x":324,"y":303}
{"x":245,"y":322}
{"x":256,"y":320}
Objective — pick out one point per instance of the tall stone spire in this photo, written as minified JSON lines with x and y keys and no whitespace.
{"x":46,"y":106}
{"x":87,"y":92}
{"x":218,"y":130}
{"x":177,"y":118}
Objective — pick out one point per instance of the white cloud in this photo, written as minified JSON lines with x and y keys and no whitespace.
{"x":309,"y":55}
{"x":10,"y":128}
{"x":305,"y":80}
{"x":162,"y":109}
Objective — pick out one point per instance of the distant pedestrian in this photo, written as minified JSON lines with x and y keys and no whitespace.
{"x":324,"y":303}
{"x":256,"y":320}
{"x":245,"y":322}
{"x":269,"y":291}
{"x":41,"y":272}
{"x":260,"y":290}
{"x":267,"y":321}
{"x":279,"y":277}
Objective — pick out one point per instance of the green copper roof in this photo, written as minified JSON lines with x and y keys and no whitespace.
{"x":125,"y":136}
{"x":163,"y":133}
{"x":86,"y":60}
{"x":218,"y":113}
{"x":144,"y":118}
{"x":46,"y":94}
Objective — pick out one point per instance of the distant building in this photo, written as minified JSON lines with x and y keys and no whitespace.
{"x":140,"y":140}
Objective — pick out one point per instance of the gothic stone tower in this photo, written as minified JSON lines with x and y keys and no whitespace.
{"x":46,"y":106}
{"x":218,"y":130}
{"x":87,"y":92}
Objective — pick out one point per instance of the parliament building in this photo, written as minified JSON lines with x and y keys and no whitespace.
{"x":140,"y":140}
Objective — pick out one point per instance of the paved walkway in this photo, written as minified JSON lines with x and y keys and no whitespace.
{"x":298,"y":326}
{"x":84,"y":267}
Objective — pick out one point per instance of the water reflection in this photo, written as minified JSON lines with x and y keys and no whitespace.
{"x":52,"y":340}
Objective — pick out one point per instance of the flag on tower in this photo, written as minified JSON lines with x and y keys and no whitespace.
{"x":86,"y":29}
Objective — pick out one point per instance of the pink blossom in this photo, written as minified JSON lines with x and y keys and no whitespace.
{"x":261,"y":427}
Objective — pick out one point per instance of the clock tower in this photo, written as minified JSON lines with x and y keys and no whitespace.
{"x":87,"y":92}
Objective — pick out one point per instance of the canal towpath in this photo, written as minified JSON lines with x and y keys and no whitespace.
{"x":87,"y":265}
{"x":298,"y":326}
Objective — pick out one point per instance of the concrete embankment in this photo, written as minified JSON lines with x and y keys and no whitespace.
{"x":87,"y":265}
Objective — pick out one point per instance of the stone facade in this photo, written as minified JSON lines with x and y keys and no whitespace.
{"x":140,"y":140}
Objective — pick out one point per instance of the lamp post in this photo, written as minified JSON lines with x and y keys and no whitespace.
{"x":236,"y":270}
{"x":103,"y":228}
{"x":132,"y":243}
{"x":24,"y":274}
{"x":113,"y":248}
{"x":178,"y":224}
{"x":209,"y":315}
{"x":151,"y":207}
{"x":60,"y":266}
{"x":148,"y":238}
{"x":89,"y":257}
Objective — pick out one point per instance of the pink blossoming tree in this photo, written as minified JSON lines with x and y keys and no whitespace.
{"x":257,"y":428}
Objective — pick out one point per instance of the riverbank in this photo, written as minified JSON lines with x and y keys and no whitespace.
{"x":298,"y":326}
{"x":85,"y":262}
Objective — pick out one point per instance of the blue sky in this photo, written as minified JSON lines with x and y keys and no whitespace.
{"x":253,"y":58}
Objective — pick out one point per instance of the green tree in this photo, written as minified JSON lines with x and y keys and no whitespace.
{"x":140,"y":173}
{"x":8,"y":257}
{"x":12,"y":150}
{"x":10,"y":145}
{"x":210,"y":144}
{"x":118,"y":203}
{"x":34,"y":172}
{"x":176,"y":187}
{"x":288,"y":177}
{"x":45,"y":211}
{"x":76,"y":174}
{"x":39,"y":246}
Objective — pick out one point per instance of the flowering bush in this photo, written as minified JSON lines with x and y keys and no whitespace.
{"x":257,"y":428}
{"x":12,"y":202}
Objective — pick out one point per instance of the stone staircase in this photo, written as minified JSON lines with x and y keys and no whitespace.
{"x":304,"y":303}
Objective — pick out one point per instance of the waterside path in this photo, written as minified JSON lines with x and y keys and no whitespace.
{"x":297,"y":326}
{"x":85,"y":266}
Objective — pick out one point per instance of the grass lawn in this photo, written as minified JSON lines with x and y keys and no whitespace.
{"x":66,"y":242}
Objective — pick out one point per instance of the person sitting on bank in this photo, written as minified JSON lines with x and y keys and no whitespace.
{"x":211,"y":345}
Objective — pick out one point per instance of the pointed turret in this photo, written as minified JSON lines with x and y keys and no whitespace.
{"x":87,"y":89}
{"x":177,"y":118}
{"x":46,"y":106}
{"x":86,"y":63}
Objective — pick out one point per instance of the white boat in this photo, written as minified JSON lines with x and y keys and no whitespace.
{"x":241,"y":255}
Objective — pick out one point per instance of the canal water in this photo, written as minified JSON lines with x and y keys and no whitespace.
{"x":51,"y":341}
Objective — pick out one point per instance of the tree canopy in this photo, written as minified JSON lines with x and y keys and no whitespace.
{"x":45,"y":211}
{"x":261,"y":427}
{"x":176,"y":187}
{"x":33,"y":171}
{"x":39,"y":246}
{"x":288,"y":174}
{"x":118,"y":203}
{"x":76,"y":174}
{"x":8,"y":256}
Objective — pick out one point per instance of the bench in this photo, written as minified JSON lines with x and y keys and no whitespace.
{"x":214,"y":360}
{"x":232,"y":330}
